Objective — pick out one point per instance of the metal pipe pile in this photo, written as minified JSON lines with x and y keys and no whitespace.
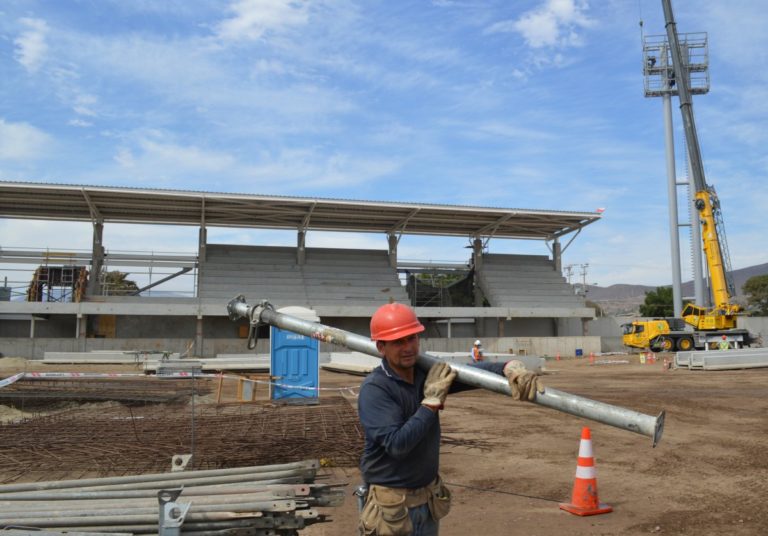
{"x":120,"y":440}
{"x":271,"y":499}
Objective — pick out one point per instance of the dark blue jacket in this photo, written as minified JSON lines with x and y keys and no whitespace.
{"x":402,"y":438}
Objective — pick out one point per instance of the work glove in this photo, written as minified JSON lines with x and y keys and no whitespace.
{"x":524,"y":383}
{"x":436,"y":386}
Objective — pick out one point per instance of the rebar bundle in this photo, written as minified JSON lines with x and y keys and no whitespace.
{"x":36,"y":392}
{"x":120,"y":440}
{"x":273,"y":499}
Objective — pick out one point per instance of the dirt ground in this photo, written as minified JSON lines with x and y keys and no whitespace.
{"x":511,"y":463}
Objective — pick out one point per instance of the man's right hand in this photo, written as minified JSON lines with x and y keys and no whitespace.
{"x":523,"y":383}
{"x":436,"y":386}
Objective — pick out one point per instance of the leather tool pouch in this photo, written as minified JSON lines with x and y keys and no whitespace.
{"x":439,"y":499}
{"x":385,"y":513}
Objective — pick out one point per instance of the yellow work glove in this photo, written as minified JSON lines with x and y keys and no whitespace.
{"x":436,"y":386}
{"x":524,"y":383}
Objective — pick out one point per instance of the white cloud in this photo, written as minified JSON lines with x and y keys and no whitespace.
{"x":79,"y":123}
{"x":252,"y":18}
{"x":20,"y":141}
{"x":302,"y":168}
{"x":164,"y":157}
{"x":554,"y":24}
{"x":496,"y":129}
{"x":83,"y":105}
{"x":30,"y":44}
{"x":125,"y":158}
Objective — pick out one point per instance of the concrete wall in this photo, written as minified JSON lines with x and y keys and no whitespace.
{"x":129,"y":327}
{"x":540,"y":346}
{"x":608,"y":328}
{"x":55,"y":326}
{"x":757,"y":325}
{"x":36,"y":348}
{"x":221,"y":336}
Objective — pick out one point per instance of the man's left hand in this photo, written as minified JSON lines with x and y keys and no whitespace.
{"x":523,"y":383}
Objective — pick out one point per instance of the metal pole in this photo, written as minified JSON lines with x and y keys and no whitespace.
{"x":674,"y":226}
{"x":254,"y":473}
{"x":263,"y":313}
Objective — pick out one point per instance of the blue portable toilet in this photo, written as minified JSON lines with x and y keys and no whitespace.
{"x":295,"y":361}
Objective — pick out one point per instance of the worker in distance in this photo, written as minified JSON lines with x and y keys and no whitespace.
{"x":399,"y":406}
{"x":477,"y":351}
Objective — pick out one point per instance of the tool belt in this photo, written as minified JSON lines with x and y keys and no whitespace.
{"x":386,"y":510}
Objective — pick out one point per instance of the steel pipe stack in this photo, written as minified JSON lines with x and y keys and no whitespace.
{"x":275,"y":499}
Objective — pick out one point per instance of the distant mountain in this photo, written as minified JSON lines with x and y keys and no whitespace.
{"x":625,"y":299}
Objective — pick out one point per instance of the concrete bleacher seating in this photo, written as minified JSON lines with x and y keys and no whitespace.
{"x":328,"y":277}
{"x":525,"y":281}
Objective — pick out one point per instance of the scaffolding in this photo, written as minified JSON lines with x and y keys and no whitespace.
{"x":58,"y":284}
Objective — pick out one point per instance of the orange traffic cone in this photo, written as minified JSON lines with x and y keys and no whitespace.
{"x":558,"y":356}
{"x":584,"y":501}
{"x":591,"y":358}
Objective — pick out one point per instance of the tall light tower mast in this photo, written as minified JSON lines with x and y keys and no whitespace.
{"x":659,"y":81}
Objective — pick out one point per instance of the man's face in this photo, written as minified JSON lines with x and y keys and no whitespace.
{"x":401,"y":353}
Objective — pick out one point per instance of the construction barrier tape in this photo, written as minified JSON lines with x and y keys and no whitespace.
{"x":12,"y":379}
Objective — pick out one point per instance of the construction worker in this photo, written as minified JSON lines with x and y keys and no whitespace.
{"x":477,"y":351}
{"x":399,"y":406}
{"x":724,"y":344}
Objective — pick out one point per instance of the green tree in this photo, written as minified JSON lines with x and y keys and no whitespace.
{"x":756,"y":289}
{"x":658,"y":303}
{"x":115,"y":283}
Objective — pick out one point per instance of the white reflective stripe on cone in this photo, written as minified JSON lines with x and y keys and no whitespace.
{"x":585,"y":472}
{"x":585,"y":449}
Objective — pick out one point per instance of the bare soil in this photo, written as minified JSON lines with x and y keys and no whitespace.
{"x":707,"y":476}
{"x":511,"y":463}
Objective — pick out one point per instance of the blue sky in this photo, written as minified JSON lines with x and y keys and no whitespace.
{"x":534,"y":104}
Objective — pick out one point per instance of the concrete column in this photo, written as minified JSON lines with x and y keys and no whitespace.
{"x":301,"y":252}
{"x":32,"y":328}
{"x":477,"y":260}
{"x":199,"y":337}
{"x":97,"y":259}
{"x":202,"y":254}
{"x":81,"y":324}
{"x":557,"y":256}
{"x":82,"y":334}
{"x":392,"y":240}
{"x":202,"y":241}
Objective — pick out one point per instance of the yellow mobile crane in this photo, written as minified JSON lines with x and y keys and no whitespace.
{"x":719,"y":322}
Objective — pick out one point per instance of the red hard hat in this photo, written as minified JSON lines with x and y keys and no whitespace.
{"x":724,"y":337}
{"x":394,"y":321}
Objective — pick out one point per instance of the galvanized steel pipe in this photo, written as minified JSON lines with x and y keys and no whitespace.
{"x":213,"y":476}
{"x":633,"y":421}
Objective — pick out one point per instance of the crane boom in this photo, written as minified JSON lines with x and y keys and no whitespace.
{"x":705,"y":197}
{"x":684,"y":94}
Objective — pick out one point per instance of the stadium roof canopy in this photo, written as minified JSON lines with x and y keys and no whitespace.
{"x":44,"y":201}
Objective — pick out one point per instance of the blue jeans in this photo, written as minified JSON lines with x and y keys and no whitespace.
{"x":423,"y":524}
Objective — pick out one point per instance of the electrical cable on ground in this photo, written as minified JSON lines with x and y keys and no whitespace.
{"x":502,"y":492}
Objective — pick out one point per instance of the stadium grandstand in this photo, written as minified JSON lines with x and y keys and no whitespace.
{"x":69,"y":302}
